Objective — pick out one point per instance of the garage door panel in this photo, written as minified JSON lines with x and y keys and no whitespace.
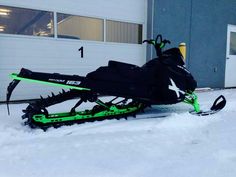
{"x":114,"y":9}
{"x":59,"y":56}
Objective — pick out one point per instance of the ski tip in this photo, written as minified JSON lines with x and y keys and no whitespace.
{"x":219,"y":103}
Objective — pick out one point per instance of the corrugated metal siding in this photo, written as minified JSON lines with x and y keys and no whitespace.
{"x":202,"y":24}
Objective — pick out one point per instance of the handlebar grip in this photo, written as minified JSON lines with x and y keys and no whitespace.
{"x":166,"y":41}
{"x":149,"y":41}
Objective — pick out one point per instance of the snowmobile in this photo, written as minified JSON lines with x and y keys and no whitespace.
{"x":162,"y":80}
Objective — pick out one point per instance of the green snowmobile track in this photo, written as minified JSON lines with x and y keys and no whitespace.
{"x":45,"y":120}
{"x":113,"y":111}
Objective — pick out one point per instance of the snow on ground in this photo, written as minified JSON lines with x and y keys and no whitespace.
{"x":179,"y":145}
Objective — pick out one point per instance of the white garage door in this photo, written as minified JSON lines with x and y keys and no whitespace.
{"x":87,"y":34}
{"x":230,"y":77}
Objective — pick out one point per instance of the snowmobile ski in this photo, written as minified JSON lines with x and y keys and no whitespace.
{"x":218,"y":105}
{"x":161,"y":81}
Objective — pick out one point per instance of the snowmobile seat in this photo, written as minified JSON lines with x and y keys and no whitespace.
{"x":125,"y":69}
{"x":117,"y":72}
{"x":121,"y":65}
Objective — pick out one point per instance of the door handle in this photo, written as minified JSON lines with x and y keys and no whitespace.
{"x":227,"y":58}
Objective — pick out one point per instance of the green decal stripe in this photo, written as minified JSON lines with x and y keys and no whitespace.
{"x":16,"y":77}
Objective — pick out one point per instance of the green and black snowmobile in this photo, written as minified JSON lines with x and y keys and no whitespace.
{"x":162,"y":80}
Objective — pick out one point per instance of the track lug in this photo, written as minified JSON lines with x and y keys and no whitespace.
{"x":24,"y":116}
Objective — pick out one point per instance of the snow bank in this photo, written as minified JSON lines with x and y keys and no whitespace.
{"x":179,"y":145}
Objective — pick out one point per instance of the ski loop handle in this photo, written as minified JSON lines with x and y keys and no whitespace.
{"x":219,"y":103}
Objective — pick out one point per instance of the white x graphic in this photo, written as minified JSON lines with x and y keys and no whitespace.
{"x":175,"y":88}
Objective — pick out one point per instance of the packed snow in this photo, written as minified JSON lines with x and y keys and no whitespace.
{"x":177,"y":145}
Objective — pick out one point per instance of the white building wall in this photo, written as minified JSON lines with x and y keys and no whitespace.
{"x":62,"y":55}
{"x":128,"y":10}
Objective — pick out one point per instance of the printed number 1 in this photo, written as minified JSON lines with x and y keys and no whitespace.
{"x":81,"y":49}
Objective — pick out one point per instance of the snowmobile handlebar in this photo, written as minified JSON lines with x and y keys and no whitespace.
{"x":158,"y":43}
{"x":155,"y":42}
{"x":162,"y":42}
